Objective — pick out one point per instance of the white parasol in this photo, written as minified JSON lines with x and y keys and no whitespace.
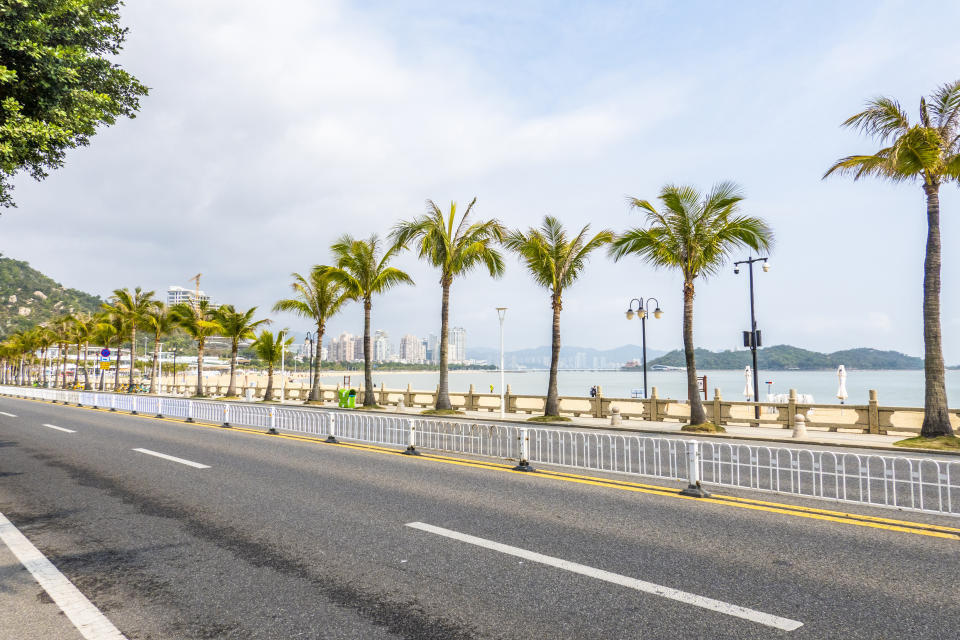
{"x":748,"y":388}
{"x":842,"y":389}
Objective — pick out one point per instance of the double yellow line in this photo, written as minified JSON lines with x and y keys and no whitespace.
{"x":841,"y":517}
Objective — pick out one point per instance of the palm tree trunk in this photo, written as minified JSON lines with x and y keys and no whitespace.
{"x":63,"y":360}
{"x":156,"y":364}
{"x":199,"y":392}
{"x":86,"y":372}
{"x":936,"y":417}
{"x":116,"y":373}
{"x":133,"y":353}
{"x":268,"y":392}
{"x":315,"y":393}
{"x":552,"y":407}
{"x":697,"y":414}
{"x":369,"y":399}
{"x":443,"y":392}
{"x":232,"y":386}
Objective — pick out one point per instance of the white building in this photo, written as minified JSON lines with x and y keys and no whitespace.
{"x":342,"y":348}
{"x":411,"y":349}
{"x":381,"y":346}
{"x":176,"y":295}
{"x":457,"y":348}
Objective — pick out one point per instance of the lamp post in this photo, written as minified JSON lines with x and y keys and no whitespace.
{"x":641,"y":312}
{"x":751,"y":338}
{"x":309,"y":338}
{"x":176,"y":350}
{"x":501,"y":312}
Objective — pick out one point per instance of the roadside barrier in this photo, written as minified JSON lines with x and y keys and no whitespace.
{"x":901,"y":482}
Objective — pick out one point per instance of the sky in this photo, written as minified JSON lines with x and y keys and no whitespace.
{"x":270,"y":132}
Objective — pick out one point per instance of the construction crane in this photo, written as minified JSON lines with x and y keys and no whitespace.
{"x":196,"y":291}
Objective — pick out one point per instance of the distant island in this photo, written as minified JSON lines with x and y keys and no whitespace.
{"x":785,"y":357}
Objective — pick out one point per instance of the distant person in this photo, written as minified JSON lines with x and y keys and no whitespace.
{"x":491,"y":388}
{"x":593,"y":391}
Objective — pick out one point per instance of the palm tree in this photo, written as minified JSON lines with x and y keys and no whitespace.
{"x":200,"y":323}
{"x":237,"y":326}
{"x":61,"y":327}
{"x":269,"y":348}
{"x":555,"y":263}
{"x":84,"y":325}
{"x":319,"y":298}
{"x":363,"y":271}
{"x":694,"y":234}
{"x":928,"y":152}
{"x":160,"y":322}
{"x":47,"y":339}
{"x":133,"y":307}
{"x":455,"y":248}
{"x":104,"y":332}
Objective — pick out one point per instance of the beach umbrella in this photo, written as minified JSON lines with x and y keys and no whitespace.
{"x":842,"y":389}
{"x":748,"y":388}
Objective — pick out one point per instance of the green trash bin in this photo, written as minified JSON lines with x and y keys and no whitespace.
{"x":352,"y":399}
{"x":347,"y":398}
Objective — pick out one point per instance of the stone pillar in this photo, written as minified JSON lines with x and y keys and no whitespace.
{"x":873,"y":413}
{"x":408,"y":396}
{"x":717,"y":407}
{"x":383,"y":396}
{"x":510,"y":403}
{"x":598,"y":403}
{"x":792,"y":409}
{"x":471,"y":400}
{"x":654,"y":410}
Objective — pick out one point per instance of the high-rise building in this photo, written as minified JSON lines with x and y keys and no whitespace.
{"x":411,"y":349}
{"x":457,"y":348}
{"x":341,"y":348}
{"x":176,"y":295}
{"x":381,"y":346}
{"x":431,"y":349}
{"x":358,"y":348}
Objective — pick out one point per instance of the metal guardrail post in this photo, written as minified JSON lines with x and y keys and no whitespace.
{"x":159,"y":407}
{"x":189,"y":411}
{"x":331,"y":428}
{"x":411,"y":449}
{"x":273,"y":422}
{"x":693,"y":472}
{"x":113,"y":402}
{"x":524,"y":438}
{"x":226,"y":415}
{"x":133,"y":405}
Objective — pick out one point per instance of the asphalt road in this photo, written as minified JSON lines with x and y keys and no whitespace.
{"x":278,"y":538}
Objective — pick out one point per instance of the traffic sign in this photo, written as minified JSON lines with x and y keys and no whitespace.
{"x":104,"y":365}
{"x":105,"y":352}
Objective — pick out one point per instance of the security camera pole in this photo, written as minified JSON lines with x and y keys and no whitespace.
{"x":752,"y":337}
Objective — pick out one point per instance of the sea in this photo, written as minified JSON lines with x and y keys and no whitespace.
{"x":894,"y":388}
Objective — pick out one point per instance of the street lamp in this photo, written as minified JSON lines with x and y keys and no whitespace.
{"x":752,"y":337}
{"x":501,"y":312}
{"x":309,"y":338}
{"x":641,"y":312}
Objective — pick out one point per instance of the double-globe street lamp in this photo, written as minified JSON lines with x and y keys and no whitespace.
{"x":751,"y":338}
{"x":641,"y":312}
{"x":309,"y":338}
{"x":501,"y":313}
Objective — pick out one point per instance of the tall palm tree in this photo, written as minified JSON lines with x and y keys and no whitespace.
{"x":237,"y":326}
{"x":159,"y":322}
{"x":927,"y":152}
{"x":695,"y":234}
{"x":362,"y":270}
{"x":318,"y":297}
{"x":269,"y":348}
{"x":555,"y":261}
{"x":133,"y":306}
{"x":47,"y":339}
{"x":455,"y":248}
{"x":61,"y":328}
{"x":200,"y":323}
{"x":84,"y":325}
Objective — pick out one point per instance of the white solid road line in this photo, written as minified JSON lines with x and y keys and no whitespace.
{"x":53,"y":426}
{"x":88,"y":620}
{"x":719,"y":606}
{"x":9,"y":415}
{"x":189,"y":463}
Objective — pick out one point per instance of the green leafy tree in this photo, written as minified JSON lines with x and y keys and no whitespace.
{"x":927,"y":152}
{"x":318,"y":298}
{"x":455,"y":248}
{"x":269,"y":348}
{"x":694,"y":234}
{"x":363,"y":270}
{"x":555,"y":261}
{"x":158,"y":322}
{"x":58,"y":81}
{"x":199,"y":321}
{"x":133,"y":308}
{"x":237,"y":326}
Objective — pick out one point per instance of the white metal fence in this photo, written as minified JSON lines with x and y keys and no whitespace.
{"x":919,"y":484}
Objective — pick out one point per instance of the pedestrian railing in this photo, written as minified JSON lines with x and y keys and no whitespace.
{"x":902,"y":482}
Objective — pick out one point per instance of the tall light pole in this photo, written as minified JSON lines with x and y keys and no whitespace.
{"x":309,"y":338}
{"x":641,"y":312}
{"x":751,"y":338}
{"x":501,"y":312}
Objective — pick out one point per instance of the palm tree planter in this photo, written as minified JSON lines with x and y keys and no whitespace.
{"x":928,"y":152}
{"x":695,"y":235}
{"x":555,"y":262}
{"x":362,"y":271}
{"x":455,"y":249}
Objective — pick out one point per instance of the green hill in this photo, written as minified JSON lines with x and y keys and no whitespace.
{"x":784,"y":356}
{"x":27,"y":297}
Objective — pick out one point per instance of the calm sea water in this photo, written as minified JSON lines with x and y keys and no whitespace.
{"x":894,"y":388}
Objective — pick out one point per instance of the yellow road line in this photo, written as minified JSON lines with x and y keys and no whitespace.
{"x":874,"y":522}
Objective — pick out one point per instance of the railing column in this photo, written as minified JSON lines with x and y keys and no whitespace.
{"x":717,"y":407}
{"x":189,"y":411}
{"x":598,"y":403}
{"x":273,"y":422}
{"x":411,"y":449}
{"x":524,"y":438}
{"x":654,"y":409}
{"x":873,"y":413}
{"x":331,"y":428}
{"x":159,"y":407}
{"x":792,"y":409}
{"x":694,"y":489}
{"x":113,"y":402}
{"x":226,"y":415}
